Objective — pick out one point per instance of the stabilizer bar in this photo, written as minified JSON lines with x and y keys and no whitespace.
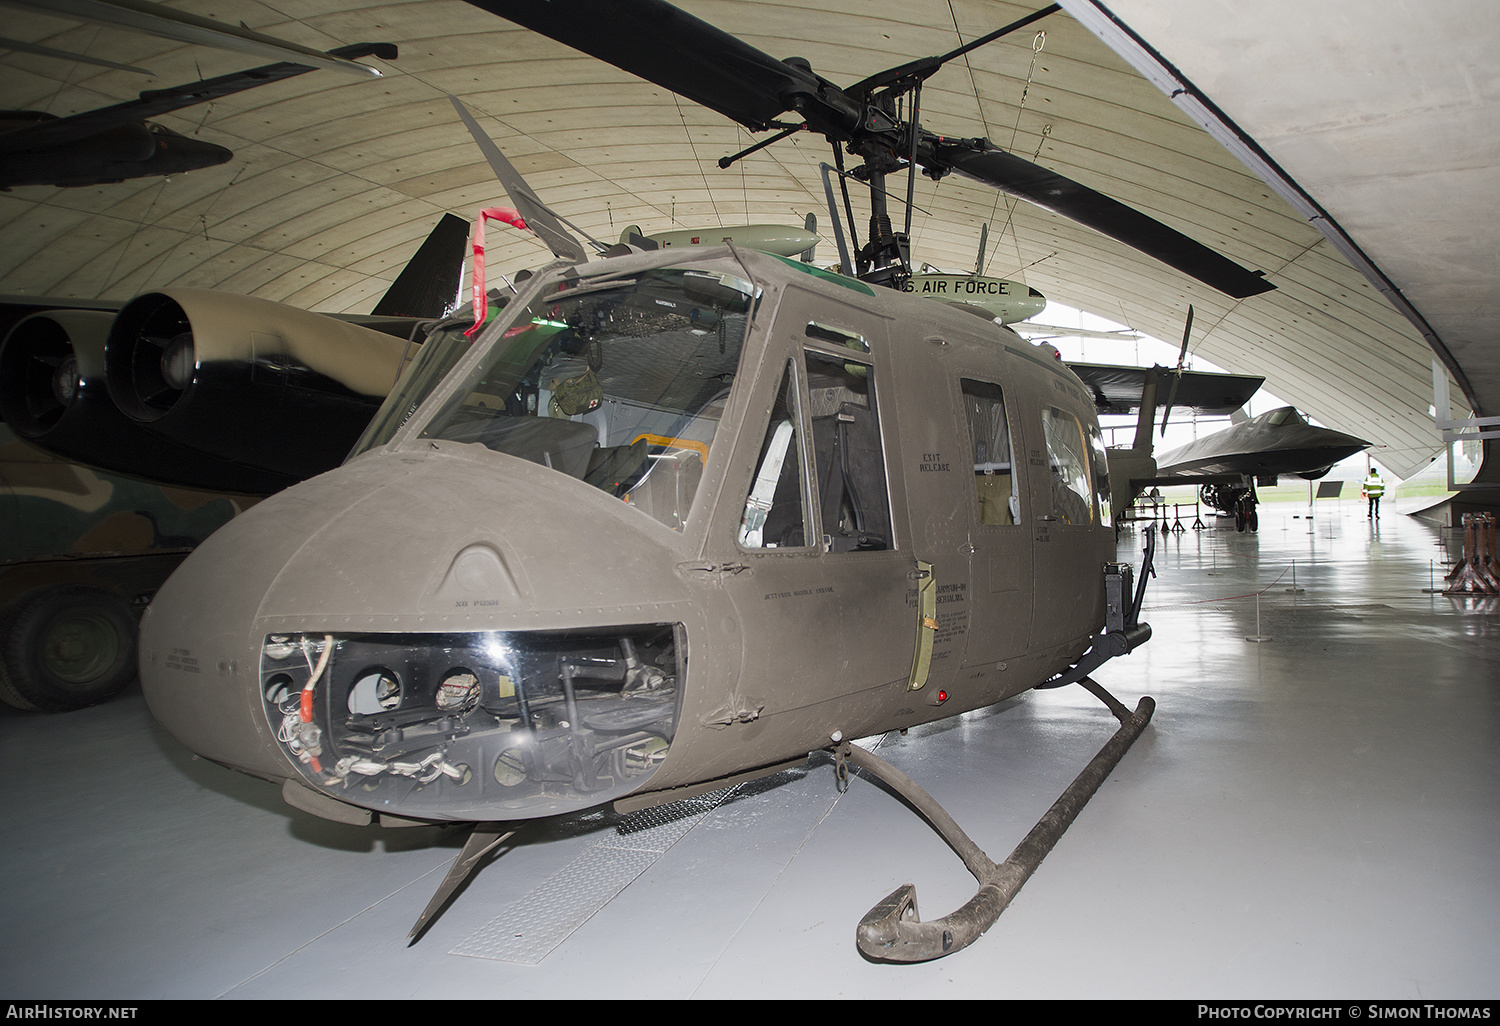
{"x":892,"y":931}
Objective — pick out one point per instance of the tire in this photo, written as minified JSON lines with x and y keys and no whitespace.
{"x":66,"y":647}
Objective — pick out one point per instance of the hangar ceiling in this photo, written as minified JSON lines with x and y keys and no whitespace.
{"x":336,"y":180}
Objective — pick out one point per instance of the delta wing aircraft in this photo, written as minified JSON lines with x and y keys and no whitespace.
{"x":114,"y":143}
{"x":1229,"y":464}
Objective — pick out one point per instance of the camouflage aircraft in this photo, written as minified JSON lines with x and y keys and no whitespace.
{"x":81,"y":553}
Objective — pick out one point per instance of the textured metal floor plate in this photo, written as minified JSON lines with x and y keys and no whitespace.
{"x":529,"y":929}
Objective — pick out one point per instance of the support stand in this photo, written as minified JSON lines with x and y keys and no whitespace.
{"x":1476,"y":574}
{"x":1257,"y":636}
{"x":892,"y":931}
{"x":1293,"y":590}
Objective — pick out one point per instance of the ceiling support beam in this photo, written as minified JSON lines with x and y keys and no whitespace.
{"x":1119,"y":37}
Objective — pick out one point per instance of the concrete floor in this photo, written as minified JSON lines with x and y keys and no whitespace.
{"x":1316,"y":815}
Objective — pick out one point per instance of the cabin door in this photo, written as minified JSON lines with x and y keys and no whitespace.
{"x":826,"y":600}
{"x":1001,"y":571}
{"x":1068,"y":565}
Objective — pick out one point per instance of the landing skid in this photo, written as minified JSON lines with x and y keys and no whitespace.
{"x":892,"y":931}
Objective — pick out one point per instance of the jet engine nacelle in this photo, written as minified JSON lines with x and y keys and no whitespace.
{"x":53,"y":394}
{"x":249,"y":380}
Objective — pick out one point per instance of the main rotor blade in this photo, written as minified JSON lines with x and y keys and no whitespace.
{"x":1035,"y":184}
{"x":673,"y":49}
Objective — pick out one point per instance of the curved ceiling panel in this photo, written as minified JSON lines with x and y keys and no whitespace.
{"x":335,"y":181}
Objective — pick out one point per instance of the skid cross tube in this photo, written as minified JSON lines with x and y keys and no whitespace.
{"x":892,"y":931}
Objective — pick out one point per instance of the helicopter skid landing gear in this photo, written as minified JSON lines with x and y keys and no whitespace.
{"x":892,"y":931}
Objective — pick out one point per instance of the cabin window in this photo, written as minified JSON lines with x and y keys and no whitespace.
{"x":618,"y":382}
{"x":838,"y":336}
{"x":989,"y":439}
{"x":1067,"y":458}
{"x":775,"y":514}
{"x":848,"y":458}
{"x":438,"y":354}
{"x":1101,"y":475}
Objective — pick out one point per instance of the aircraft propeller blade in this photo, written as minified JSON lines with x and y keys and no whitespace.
{"x":666,"y":46}
{"x":984,"y":237}
{"x":1187,"y":330}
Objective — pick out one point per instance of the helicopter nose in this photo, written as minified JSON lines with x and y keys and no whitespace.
{"x":197,"y":649}
{"x":392,"y":545}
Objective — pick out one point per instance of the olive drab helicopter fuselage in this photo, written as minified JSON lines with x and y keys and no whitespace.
{"x":669,"y":521}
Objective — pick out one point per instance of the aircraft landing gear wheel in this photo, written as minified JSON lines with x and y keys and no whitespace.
{"x":65,"y":648}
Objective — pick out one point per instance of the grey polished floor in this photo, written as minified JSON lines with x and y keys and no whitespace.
{"x":1312,"y":815}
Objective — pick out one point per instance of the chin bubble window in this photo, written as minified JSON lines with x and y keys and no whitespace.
{"x":480,"y":725}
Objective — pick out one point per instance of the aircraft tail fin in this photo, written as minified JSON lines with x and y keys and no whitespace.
{"x":430,"y":283}
{"x":633,"y":236}
{"x":1147,"y":413}
{"x":1239,"y":416}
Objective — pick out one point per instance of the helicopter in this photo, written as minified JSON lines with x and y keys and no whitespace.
{"x":672,"y":519}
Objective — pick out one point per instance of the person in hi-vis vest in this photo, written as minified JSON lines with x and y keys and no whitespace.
{"x":1373,"y":489}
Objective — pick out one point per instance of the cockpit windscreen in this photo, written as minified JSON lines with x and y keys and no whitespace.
{"x":620,"y":383}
